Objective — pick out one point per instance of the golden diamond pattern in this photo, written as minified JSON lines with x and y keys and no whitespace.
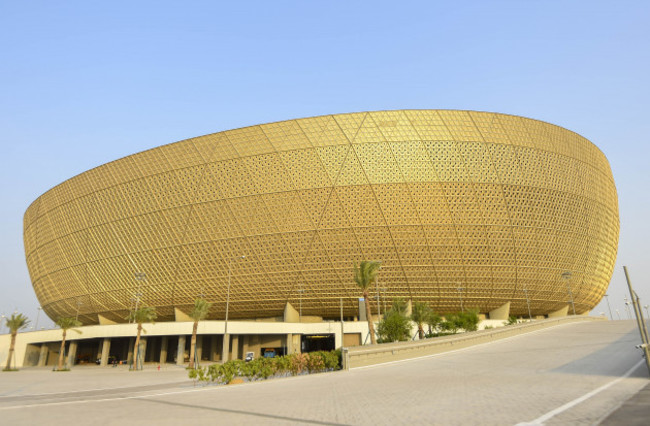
{"x":493,"y":204}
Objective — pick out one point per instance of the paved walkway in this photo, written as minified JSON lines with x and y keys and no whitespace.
{"x":542,"y":377}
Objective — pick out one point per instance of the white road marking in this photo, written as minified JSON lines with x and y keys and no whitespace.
{"x":540,"y":420}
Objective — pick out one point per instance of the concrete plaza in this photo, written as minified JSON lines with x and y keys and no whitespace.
{"x":541,"y":377}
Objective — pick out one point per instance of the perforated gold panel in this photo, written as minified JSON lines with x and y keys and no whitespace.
{"x":457,"y":205}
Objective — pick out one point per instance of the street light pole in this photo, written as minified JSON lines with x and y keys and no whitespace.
{"x":566,"y":276}
{"x":528,"y":303}
{"x":460,"y":294}
{"x":38,"y":314}
{"x":301,"y":291}
{"x":627,"y":308}
{"x":76,"y":317}
{"x":226,"y":337}
{"x":609,"y":307}
{"x":647,"y":314}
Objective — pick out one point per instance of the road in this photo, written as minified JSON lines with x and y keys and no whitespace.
{"x":572,"y":374}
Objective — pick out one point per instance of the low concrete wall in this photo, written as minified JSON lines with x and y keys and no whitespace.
{"x":387,"y":352}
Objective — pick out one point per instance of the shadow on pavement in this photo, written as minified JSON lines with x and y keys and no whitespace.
{"x":593,"y":363}
{"x":246,"y":413}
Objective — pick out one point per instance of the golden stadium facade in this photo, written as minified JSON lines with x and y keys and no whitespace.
{"x":462,"y":208}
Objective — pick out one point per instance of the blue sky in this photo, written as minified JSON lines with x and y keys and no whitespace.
{"x":83,"y":83}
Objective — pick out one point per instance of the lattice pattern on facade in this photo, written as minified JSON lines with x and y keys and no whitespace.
{"x":489,"y":203}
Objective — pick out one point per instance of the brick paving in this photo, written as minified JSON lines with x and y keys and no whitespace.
{"x":506,"y":382}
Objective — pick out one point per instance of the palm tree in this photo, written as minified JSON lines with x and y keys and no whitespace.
{"x":364,"y":275}
{"x":200,"y":311}
{"x":65,"y":324}
{"x":14,"y":323}
{"x":420,"y":315}
{"x":140,"y":316}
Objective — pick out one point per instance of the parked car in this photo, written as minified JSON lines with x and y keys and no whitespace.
{"x":249,"y":356}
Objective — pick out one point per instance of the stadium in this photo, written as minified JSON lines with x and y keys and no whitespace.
{"x":463,"y":209}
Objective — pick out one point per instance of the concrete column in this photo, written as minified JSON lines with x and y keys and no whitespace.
{"x":106,"y":350}
{"x":129,"y":356}
{"x":562,"y":312}
{"x":246,"y":338}
{"x":142,"y":350}
{"x":42,"y":357}
{"x":501,"y":313}
{"x":213,"y":348}
{"x":289,"y":343}
{"x":163,"y":350}
{"x":72,"y":353}
{"x":199,"y":347}
{"x":338,"y":338}
{"x":225,"y":348}
{"x":235,"y":346}
{"x":180,"y":352}
{"x":98,"y":355}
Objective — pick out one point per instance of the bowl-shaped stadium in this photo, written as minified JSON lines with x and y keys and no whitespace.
{"x":463,"y":209}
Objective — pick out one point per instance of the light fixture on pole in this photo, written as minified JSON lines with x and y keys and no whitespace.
{"x":618,"y":314}
{"x":76,"y":317}
{"x":38,"y":314}
{"x":647,"y":314}
{"x":627,"y":308}
{"x":566,"y":276}
{"x":609,"y":307}
{"x":460,"y":294}
{"x":528,"y":303}
{"x":378,"y":298}
{"x":140,"y":276}
{"x":301,"y":291}
{"x":226,"y":336}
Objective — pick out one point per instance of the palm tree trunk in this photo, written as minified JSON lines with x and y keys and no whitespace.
{"x":371,"y":326}
{"x":61,"y":352}
{"x":420,"y":331}
{"x":135,"y":348}
{"x":11,"y":349}
{"x":193,"y":344}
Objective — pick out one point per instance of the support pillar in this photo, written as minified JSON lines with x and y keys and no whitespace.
{"x":214,"y":356}
{"x":142,"y":350}
{"x":247,"y":339}
{"x":180,"y":351}
{"x":163,"y":350}
{"x":225,"y":348}
{"x":129,"y":357}
{"x":72,"y":353}
{"x":42,"y":357}
{"x":106,"y":350}
{"x":562,"y":312}
{"x":289,"y":343}
{"x":199,"y":347}
{"x":501,"y":313}
{"x":235,"y":346}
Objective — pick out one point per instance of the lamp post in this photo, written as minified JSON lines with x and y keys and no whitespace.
{"x":38,"y":314}
{"x":566,"y":276}
{"x":76,"y":317}
{"x":618,"y":314}
{"x":647,"y":314}
{"x":140,"y":276}
{"x":460,"y":294}
{"x":2,"y":322}
{"x":301,"y":291}
{"x":226,"y":336}
{"x":608,"y":307}
{"x":627,"y":308}
{"x":528,"y":303}
{"x":378,"y":298}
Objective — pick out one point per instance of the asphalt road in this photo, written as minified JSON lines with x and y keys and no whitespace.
{"x":572,"y":374}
